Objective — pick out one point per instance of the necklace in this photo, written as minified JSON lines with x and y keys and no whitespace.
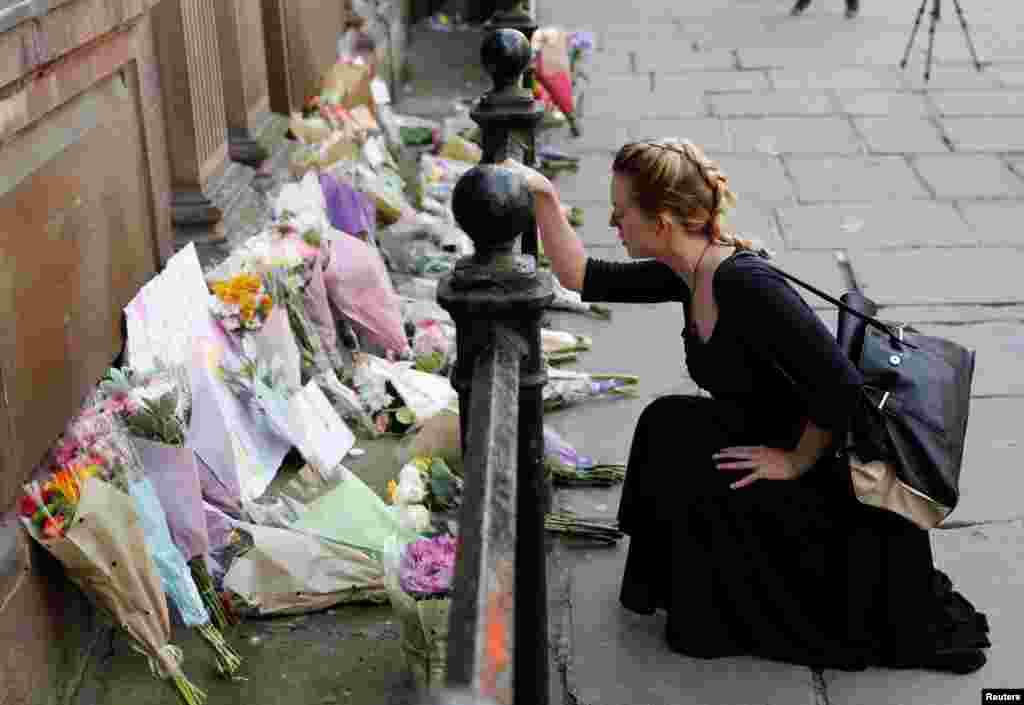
{"x":692,"y":325}
{"x":696,"y":268}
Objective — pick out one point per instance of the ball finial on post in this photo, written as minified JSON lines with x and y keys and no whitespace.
{"x":493,"y":205}
{"x":506,"y":54}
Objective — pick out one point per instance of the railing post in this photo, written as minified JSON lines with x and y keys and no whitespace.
{"x":497,"y":287}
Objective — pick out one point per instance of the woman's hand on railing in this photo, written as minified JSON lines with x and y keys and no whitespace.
{"x":535,"y":181}
{"x":561,"y":244}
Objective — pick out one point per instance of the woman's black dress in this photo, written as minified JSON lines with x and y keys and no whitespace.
{"x":796,"y":571}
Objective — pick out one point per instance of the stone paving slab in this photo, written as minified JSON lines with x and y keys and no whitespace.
{"x":993,"y":134}
{"x":711,"y":82}
{"x":816,"y":268}
{"x":941,"y":276}
{"x":1009,"y":76}
{"x":710,"y":134}
{"x":755,"y":220}
{"x":773,"y":103}
{"x":839,"y":178}
{"x":979,"y":104}
{"x":948,"y":77}
{"x":901,"y":135}
{"x":612,"y":645}
{"x":609,"y":63}
{"x":984,"y":564}
{"x":992,"y":479}
{"x":884,"y":103}
{"x":998,"y":223}
{"x":964,"y":176}
{"x":869,"y":226}
{"x":845,"y":78}
{"x":794,"y":135}
{"x":956,"y":315}
{"x":756,"y":176}
{"x":632,"y":96}
{"x":591,"y":183}
{"x":640,"y":339}
{"x":999,"y":347}
{"x":604,"y":135}
{"x":670,"y":59}
{"x":596,"y":232}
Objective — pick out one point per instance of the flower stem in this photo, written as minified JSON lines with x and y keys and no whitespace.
{"x":206,"y":590}
{"x":189,"y":693}
{"x":228,"y":660}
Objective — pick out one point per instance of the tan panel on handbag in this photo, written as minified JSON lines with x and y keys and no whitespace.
{"x":877,"y":485}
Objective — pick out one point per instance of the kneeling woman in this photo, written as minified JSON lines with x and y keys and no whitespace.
{"x":742,"y":521}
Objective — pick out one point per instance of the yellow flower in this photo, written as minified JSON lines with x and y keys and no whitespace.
{"x":392,"y":491}
{"x":422,"y":463}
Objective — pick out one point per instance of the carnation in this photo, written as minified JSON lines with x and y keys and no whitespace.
{"x":427,"y":567}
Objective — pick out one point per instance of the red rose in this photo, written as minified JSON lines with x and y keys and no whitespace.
{"x":27,"y":506}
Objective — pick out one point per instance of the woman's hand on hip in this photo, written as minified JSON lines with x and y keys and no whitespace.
{"x":762,"y":462}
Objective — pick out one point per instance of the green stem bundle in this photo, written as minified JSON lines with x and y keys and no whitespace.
{"x":572,"y":526}
{"x":597,"y":476}
{"x":228,"y":660}
{"x":209,"y":594}
{"x":189,"y":693}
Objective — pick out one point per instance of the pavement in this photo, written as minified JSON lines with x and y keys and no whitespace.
{"x":830,"y":146}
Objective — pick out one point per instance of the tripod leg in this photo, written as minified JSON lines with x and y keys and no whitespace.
{"x":931,"y":40}
{"x":913,"y":33}
{"x":967,"y":34}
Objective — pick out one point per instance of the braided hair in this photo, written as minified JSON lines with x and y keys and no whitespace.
{"x":675,"y":176}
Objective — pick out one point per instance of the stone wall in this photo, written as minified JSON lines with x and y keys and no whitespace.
{"x":84,"y":194}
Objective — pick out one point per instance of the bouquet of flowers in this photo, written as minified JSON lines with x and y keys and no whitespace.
{"x":560,"y":346}
{"x":169,"y":499}
{"x":554,"y":71}
{"x":95,"y":530}
{"x":245,"y":309}
{"x":241,"y":302}
{"x":566,"y":300}
{"x":424,"y":485}
{"x":567,"y":388}
{"x":419,"y":583}
{"x":566,"y":467}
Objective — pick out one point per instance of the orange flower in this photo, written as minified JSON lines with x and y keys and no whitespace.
{"x":265,"y":303}
{"x":392,"y":491}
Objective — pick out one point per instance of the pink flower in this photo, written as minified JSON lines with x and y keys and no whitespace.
{"x":427,"y":566}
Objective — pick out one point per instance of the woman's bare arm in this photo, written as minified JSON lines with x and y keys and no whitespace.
{"x":561,"y":243}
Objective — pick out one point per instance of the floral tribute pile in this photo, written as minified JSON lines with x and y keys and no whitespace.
{"x":164,"y":498}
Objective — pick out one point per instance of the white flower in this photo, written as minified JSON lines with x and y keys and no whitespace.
{"x":411,"y":488}
{"x":414,"y":517}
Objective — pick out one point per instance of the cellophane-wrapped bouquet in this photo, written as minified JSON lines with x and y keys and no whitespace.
{"x":419,"y":582}
{"x":154,"y":410}
{"x":97,"y":533}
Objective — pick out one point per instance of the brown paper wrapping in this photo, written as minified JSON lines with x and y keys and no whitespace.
{"x":349,"y":81}
{"x":104,"y":553}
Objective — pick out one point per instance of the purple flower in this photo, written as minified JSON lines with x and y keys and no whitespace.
{"x":581,"y":41}
{"x":567,"y":455}
{"x":427,"y":566}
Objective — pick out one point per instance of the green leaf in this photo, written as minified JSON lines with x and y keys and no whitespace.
{"x":405,"y":416}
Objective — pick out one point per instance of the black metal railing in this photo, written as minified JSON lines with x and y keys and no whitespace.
{"x":498,"y":633}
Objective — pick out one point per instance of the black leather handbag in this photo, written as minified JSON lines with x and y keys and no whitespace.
{"x":907,"y":434}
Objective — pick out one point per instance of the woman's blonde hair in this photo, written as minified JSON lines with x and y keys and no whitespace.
{"x":674,"y":176}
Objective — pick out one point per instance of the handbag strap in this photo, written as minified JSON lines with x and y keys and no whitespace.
{"x":871,"y":320}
